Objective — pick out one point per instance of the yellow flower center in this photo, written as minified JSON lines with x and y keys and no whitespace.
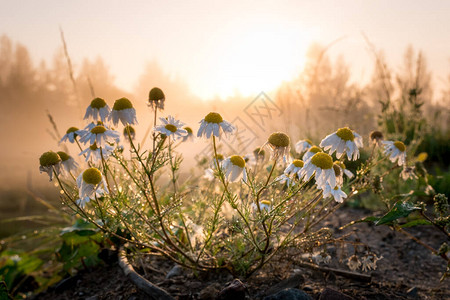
{"x":266,"y":202}
{"x":337,"y":169}
{"x":71,"y":129}
{"x":298,"y":163}
{"x":259,"y":152}
{"x":322,"y":160}
{"x":49,"y":158}
{"x":336,"y":188}
{"x":98,"y":129}
{"x":309,"y":141}
{"x":156,"y":94}
{"x":92,"y":176}
{"x":422,"y":156}
{"x":189,"y":130}
{"x":315,"y":149}
{"x":213,"y":117}
{"x":340,"y":164}
{"x":220,"y":157}
{"x":345,"y":133}
{"x":279,"y":139}
{"x":171,"y":128}
{"x":98,"y":103}
{"x":122,"y":103}
{"x":64,"y":156}
{"x":93,"y":147}
{"x":237,"y":161}
{"x":400,"y":146}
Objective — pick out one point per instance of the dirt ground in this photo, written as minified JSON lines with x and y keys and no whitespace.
{"x":407,"y":271}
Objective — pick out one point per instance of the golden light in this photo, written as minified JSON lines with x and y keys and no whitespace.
{"x":256,"y":57}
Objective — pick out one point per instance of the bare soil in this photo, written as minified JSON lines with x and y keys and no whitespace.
{"x":407,"y":271}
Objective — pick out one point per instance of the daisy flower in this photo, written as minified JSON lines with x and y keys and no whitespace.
{"x":189,"y":136}
{"x":129,"y":132}
{"x":71,"y":134}
{"x":212,"y":124}
{"x":263,"y":205}
{"x":252,"y":159}
{"x":171,"y":127}
{"x":98,"y":109}
{"x":279,"y":144}
{"x":49,"y":162}
{"x":124,"y":112}
{"x":310,"y":153}
{"x":408,"y":173}
{"x":67,"y":162}
{"x":100,"y":136}
{"x":94,"y":151}
{"x":369,"y":262}
{"x":396,"y":151}
{"x":335,"y":192}
{"x":303,"y":145}
{"x":376,"y":137}
{"x":220,"y":158}
{"x":343,"y":140}
{"x":353,"y":262}
{"x":90,"y":184}
{"x":156,"y":98}
{"x":321,"y":164}
{"x":234,"y":168}
{"x":284,"y":179}
{"x":340,"y":170}
{"x":294,"y":168}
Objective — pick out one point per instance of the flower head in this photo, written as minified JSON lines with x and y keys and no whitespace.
{"x":321,"y":164}
{"x":310,"y":153}
{"x":279,"y":143}
{"x":212,"y":123}
{"x":376,"y":137}
{"x":264,"y":205}
{"x":353,"y":262}
{"x":303,"y":145}
{"x":340,"y":170}
{"x":343,"y":140}
{"x":171,"y":127}
{"x":284,"y":179}
{"x":234,"y":168}
{"x":67,"y":162}
{"x":156,"y":98}
{"x":124,"y":112}
{"x":100,"y":135}
{"x":98,"y":109}
{"x":97,"y":152}
{"x":90,"y":184}
{"x":190,"y":134}
{"x":396,"y":151}
{"x":49,"y":162}
{"x":408,"y":173}
{"x":335,"y":192}
{"x":129,"y":132}
{"x":369,"y":261}
{"x":294,"y":168}
{"x":71,"y":134}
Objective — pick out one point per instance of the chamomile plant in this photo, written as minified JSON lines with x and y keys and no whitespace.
{"x":238,"y":213}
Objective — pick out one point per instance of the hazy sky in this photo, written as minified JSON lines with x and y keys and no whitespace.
{"x":222,"y":46}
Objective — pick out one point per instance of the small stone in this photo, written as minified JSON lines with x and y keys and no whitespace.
{"x":210,"y":292}
{"x":291,"y":282}
{"x":234,"y":290}
{"x":412,"y":292}
{"x":289,"y":294}
{"x":330,"y":294}
{"x":175,"y":271}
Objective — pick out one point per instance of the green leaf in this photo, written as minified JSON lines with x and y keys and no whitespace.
{"x":400,"y":210}
{"x":416,"y":223}
{"x":4,"y":291}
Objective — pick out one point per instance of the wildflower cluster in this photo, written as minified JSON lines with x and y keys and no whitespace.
{"x":244,"y":210}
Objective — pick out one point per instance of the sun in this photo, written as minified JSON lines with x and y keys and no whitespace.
{"x":251,"y":58}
